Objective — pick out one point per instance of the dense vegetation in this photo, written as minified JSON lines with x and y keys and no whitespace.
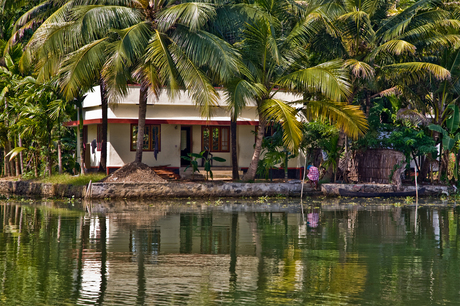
{"x":381,"y":73}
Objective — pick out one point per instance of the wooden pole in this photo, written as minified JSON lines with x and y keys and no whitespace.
{"x":301,"y":190}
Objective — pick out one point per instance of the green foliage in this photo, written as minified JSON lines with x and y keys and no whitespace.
{"x":412,"y":142}
{"x":273,"y":153}
{"x":77,"y":180}
{"x":333,"y":151}
{"x":317,"y":132}
{"x":194,"y":158}
{"x":450,"y":135}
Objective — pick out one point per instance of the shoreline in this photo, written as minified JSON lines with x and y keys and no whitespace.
{"x":211,"y":189}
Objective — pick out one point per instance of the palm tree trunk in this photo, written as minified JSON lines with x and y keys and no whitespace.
{"x":235,"y":174}
{"x":141,"y":122}
{"x":286,"y":170}
{"x":21,"y":158}
{"x":10,"y":163}
{"x":82,"y":145}
{"x":104,"y":107}
{"x":48,"y":152}
{"x":251,"y":174}
{"x":5,"y":161}
{"x":16,"y":165}
{"x":59,"y":147}
{"x":35,"y":165}
{"x":368,"y":103}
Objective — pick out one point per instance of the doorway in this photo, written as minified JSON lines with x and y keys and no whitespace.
{"x":185,"y":144}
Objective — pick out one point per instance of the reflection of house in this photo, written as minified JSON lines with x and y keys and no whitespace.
{"x":173,"y":129}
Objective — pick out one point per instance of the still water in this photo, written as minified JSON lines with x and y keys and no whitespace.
{"x":246,"y":252}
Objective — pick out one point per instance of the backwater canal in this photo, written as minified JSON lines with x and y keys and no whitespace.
{"x":230,"y":252}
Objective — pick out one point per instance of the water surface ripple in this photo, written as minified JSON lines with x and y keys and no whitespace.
{"x":246,"y":252}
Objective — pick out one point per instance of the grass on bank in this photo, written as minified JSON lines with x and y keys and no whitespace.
{"x":77,"y":180}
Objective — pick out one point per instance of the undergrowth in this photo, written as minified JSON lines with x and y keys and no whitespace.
{"x":80,"y":180}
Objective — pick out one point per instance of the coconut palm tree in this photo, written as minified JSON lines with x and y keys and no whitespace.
{"x":380,"y":44}
{"x":274,"y":56}
{"x":156,"y":44}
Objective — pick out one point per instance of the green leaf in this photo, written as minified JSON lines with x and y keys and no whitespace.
{"x":437,"y":128}
{"x":219,"y":159}
{"x":448,"y":143}
{"x":196,"y":155}
{"x":454,"y":120}
{"x":15,"y":152}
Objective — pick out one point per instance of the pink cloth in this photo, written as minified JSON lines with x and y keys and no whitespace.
{"x":313,"y":174}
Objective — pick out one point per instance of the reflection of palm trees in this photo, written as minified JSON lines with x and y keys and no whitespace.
{"x":141,"y":281}
{"x":233,"y":256}
{"x":103,"y":250}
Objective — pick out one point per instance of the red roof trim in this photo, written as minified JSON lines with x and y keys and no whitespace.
{"x":163,"y":121}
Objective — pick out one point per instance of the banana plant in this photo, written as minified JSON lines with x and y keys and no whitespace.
{"x":208,"y":158}
{"x":450,"y":135}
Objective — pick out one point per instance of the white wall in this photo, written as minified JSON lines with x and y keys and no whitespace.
{"x":246,"y":140}
{"x":120,"y":152}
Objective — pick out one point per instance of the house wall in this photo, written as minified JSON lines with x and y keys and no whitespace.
{"x":120,"y":142}
{"x":246,"y":141}
{"x":181,"y":109}
{"x":96,"y":156}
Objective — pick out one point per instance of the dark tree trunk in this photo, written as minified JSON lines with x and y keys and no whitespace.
{"x":251,"y":174}
{"x":104,"y":106}
{"x":5,"y":160}
{"x":48,"y":152}
{"x":143,"y":95}
{"x":235,"y":174}
{"x":59,"y":147}
{"x":80,"y":134}
{"x":21,"y":159}
{"x":368,"y":103}
{"x":10,"y":162}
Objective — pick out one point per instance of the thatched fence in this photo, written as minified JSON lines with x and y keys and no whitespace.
{"x":376,"y":165}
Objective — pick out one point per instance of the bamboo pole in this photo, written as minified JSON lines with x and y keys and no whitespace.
{"x":301,"y":190}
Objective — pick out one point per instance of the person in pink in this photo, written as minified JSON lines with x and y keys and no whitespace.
{"x":313,"y":176}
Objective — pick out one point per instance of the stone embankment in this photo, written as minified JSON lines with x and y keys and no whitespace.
{"x":149,"y":190}
{"x":333,"y":189}
{"x":191,"y":189}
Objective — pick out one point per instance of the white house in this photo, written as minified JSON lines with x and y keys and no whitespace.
{"x":176,"y":125}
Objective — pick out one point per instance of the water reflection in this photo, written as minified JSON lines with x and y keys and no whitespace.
{"x":229,"y":253}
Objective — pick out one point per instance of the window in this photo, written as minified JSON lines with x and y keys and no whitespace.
{"x":215,"y":138}
{"x":151,"y":135}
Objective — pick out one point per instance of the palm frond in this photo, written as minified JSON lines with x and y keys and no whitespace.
{"x":206,"y":49}
{"x":331,"y":79}
{"x":413,"y":72}
{"x":360,"y":69}
{"x":394,"y":26}
{"x":196,"y":82}
{"x":191,"y":14}
{"x":240,"y":93}
{"x":158,"y":55}
{"x":81,"y":69}
{"x":279,"y":111}
{"x":124,"y":54}
{"x":395,"y":47}
{"x":349,"y":118}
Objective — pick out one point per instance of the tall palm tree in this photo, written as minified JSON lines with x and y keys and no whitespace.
{"x":273,"y":50}
{"x":380,"y":44}
{"x":157,"y":44}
